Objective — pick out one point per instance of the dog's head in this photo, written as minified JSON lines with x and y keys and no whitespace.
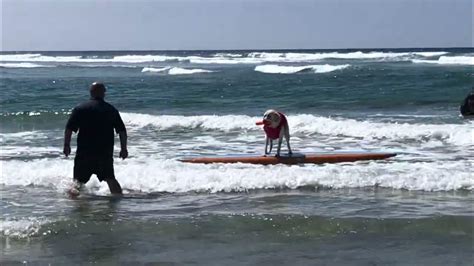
{"x":271,"y":118}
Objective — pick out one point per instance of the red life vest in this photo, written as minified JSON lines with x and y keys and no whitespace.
{"x":274,"y":133}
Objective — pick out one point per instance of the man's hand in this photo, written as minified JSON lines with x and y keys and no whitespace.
{"x":67,"y":141}
{"x":67,"y":150}
{"x":123,"y":144}
{"x":123,"y":153}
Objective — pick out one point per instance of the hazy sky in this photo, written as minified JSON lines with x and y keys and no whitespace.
{"x":234,"y":24}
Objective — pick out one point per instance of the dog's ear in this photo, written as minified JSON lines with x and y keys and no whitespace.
{"x":275,"y":116}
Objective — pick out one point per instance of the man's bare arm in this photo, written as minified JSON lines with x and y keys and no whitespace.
{"x":123,"y":144}
{"x":67,"y":142}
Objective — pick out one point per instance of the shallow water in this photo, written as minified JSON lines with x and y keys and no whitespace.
{"x":303,"y":226}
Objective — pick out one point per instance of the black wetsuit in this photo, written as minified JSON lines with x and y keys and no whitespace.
{"x":465,"y":109}
{"x":96,"y":121}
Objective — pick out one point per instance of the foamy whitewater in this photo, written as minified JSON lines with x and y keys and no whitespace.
{"x":175,"y":70}
{"x":440,"y":57}
{"x":205,"y":103}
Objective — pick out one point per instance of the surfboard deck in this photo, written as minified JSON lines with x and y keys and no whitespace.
{"x":295,"y":158}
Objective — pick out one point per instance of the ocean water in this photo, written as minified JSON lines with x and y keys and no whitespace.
{"x":414,"y":209}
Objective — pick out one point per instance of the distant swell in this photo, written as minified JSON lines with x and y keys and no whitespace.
{"x":224,"y":58}
{"x":302,"y":57}
{"x":277,"y":69}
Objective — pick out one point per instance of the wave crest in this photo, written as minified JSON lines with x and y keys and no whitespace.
{"x":21,"y":65}
{"x":277,"y":69}
{"x":448,"y":60}
{"x":223,"y":58}
{"x":169,"y":175}
{"x":458,"y":134}
{"x":175,"y":70}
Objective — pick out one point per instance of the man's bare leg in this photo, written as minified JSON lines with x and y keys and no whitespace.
{"x":114,"y":186}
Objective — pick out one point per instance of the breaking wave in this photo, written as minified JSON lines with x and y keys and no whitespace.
{"x":21,"y":65}
{"x":175,"y":70}
{"x":223,"y":58}
{"x":277,"y":69}
{"x":448,"y":60}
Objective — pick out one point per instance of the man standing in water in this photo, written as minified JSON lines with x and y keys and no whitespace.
{"x":467,"y":106}
{"x":96,"y":120}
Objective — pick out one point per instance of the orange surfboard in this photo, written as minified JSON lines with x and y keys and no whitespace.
{"x":295,"y":158}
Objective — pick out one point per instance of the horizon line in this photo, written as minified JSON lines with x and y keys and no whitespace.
{"x":246,"y":49}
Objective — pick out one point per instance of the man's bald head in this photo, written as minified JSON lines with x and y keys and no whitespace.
{"x":97,"y":90}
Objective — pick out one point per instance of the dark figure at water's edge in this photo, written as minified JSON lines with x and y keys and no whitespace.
{"x":467,"y":106}
{"x":96,"y":121}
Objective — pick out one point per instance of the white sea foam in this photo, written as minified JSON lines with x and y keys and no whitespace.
{"x":443,"y":134}
{"x":302,"y":57}
{"x":277,"y":69}
{"x":227,"y":55}
{"x":80,"y":59}
{"x":18,"y":57}
{"x":153,"y":166}
{"x":457,"y":134}
{"x":21,"y":65}
{"x":452,"y":133}
{"x":430,"y":54}
{"x":329,"y":68}
{"x":175,"y":70}
{"x":155,"y":70}
{"x":149,"y":174}
{"x":145,"y":58}
{"x":448,"y":60}
{"x":184,"y":71}
{"x":44,"y":58}
{"x":222,"y":58}
{"x":306,"y":124}
{"x":22,"y":228}
{"x":165,"y":122}
{"x":26,"y":136}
